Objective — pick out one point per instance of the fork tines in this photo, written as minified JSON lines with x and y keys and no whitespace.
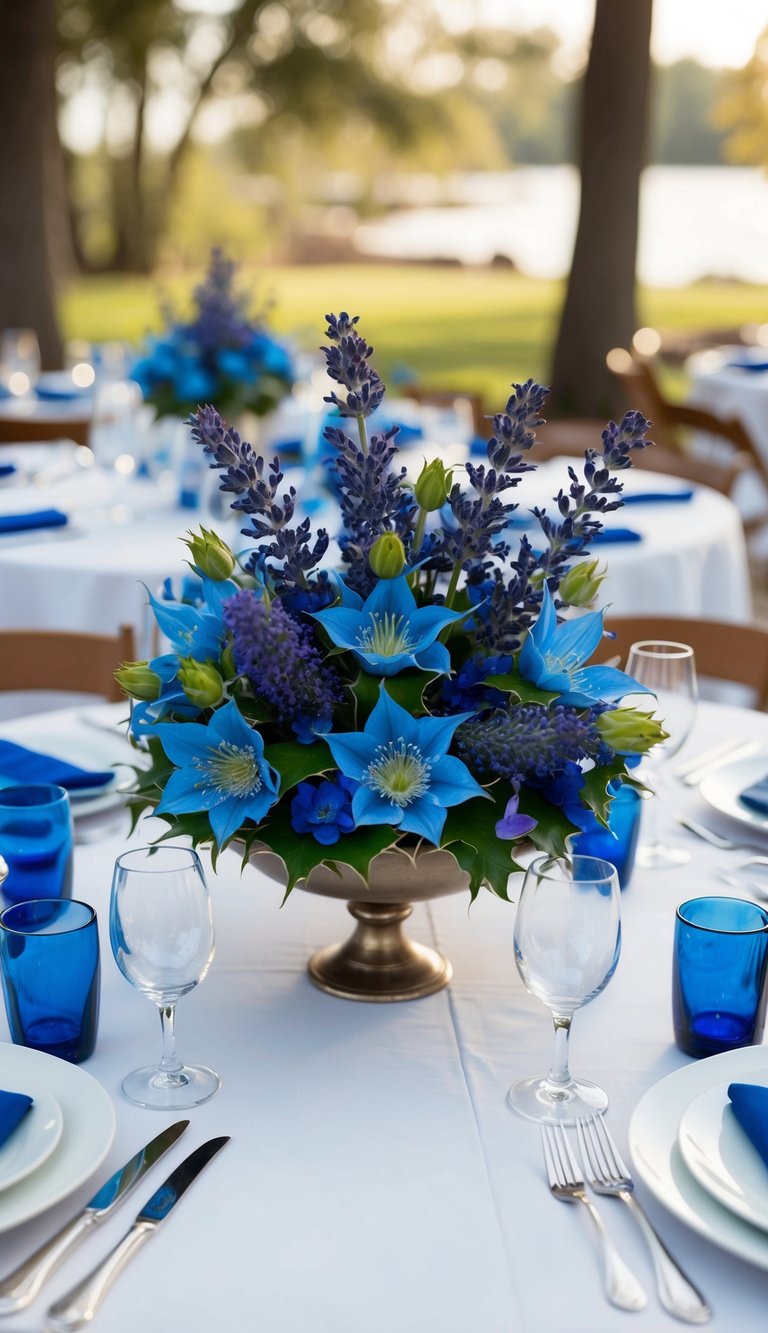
{"x":559,"y":1160}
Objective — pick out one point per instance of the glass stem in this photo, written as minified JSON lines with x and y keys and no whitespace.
{"x":559,"y":1072}
{"x":170,"y":1063}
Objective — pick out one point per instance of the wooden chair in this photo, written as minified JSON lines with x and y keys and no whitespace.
{"x":457,"y":399}
{"x":724,"y":650}
{"x":35,"y":430}
{"x":60,"y":660}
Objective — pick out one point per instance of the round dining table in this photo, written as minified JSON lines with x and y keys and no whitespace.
{"x":733,"y":382}
{"x":376,"y":1179}
{"x":124,"y":536}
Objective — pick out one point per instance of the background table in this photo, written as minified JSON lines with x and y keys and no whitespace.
{"x":376,"y":1180}
{"x":125,"y":534}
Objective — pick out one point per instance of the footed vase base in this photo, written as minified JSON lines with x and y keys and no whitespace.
{"x":378,"y":963}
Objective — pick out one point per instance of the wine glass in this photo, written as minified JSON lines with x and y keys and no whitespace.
{"x":161,"y":932}
{"x":669,"y":670}
{"x":567,"y":943}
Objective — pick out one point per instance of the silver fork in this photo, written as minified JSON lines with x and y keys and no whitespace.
{"x":607,"y":1174}
{"x":621,"y":1286}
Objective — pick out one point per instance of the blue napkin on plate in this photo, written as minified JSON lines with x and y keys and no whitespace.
{"x":7,"y":469}
{"x":13,"y":1108}
{"x":750,"y":1107}
{"x":609,"y":536}
{"x":745,"y":364}
{"x":658,"y":497}
{"x":756,"y":796}
{"x":38,"y":518}
{"x":26,"y":767}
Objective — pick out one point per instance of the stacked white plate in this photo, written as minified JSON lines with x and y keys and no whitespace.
{"x":722,"y":789}
{"x":689,"y":1150}
{"x":61,"y":1141}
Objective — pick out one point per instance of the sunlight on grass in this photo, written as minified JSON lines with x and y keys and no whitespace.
{"x":471,"y":329}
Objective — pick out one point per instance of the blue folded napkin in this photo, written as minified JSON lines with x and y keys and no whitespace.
{"x":7,"y":469}
{"x":750,"y":1107}
{"x":27,"y":767}
{"x":658,"y":497}
{"x":13,"y":1108}
{"x":608,"y":536}
{"x":745,"y":364}
{"x":39,"y":518}
{"x":756,"y":796}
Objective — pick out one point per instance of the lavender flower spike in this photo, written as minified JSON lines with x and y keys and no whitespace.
{"x":347,"y":364}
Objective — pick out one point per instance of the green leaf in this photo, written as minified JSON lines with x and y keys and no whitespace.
{"x":594,"y":793}
{"x":295,"y":762}
{"x":300,"y":853}
{"x":408,"y":688}
{"x":366,"y":694}
{"x":552,"y":828}
{"x":528,"y":693}
{"x":358,"y":849}
{"x":470,"y":831}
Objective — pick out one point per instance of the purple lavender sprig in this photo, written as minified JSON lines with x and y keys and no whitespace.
{"x":372,"y":500}
{"x":347,"y":364}
{"x":528,"y":742}
{"x":257,"y":490}
{"x":221,"y":314}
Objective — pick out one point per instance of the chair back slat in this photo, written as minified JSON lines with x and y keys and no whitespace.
{"x":60,"y":660}
{"x":724,"y":651}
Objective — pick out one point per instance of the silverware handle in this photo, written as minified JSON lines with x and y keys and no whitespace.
{"x":21,"y":1286}
{"x":78,"y":1306}
{"x":621,"y":1286}
{"x":676,"y":1293}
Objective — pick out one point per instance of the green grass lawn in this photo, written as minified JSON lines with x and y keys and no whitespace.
{"x":469,"y":329}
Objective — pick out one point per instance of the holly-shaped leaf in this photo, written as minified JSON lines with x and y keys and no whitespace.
{"x":296,"y":762}
{"x":470,"y":832}
{"x":511,"y":682}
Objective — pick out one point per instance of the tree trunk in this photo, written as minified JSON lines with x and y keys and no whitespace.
{"x":599,"y":309}
{"x":27,"y":117}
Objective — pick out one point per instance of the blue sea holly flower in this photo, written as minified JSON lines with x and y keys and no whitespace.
{"x":388,"y":632}
{"x":406,"y":777}
{"x":325,"y":810}
{"x":553,"y":658}
{"x":219,"y":768}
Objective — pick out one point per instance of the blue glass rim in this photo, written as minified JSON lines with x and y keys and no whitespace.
{"x":136,"y":859}
{"x":53,"y":905}
{"x":32,"y":796}
{"x":723,"y":929}
{"x":541,"y":864}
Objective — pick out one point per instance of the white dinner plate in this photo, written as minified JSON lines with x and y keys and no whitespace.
{"x":721,"y":1157}
{"x":89,"y":1128}
{"x":71,"y":739}
{"x":722,"y":789}
{"x":37,"y":1133}
{"x":659,"y":1162}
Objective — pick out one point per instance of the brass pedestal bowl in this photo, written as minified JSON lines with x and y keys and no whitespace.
{"x":379,"y":963}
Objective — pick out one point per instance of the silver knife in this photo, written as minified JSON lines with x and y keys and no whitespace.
{"x":78,"y":1306}
{"x":22,"y":1285}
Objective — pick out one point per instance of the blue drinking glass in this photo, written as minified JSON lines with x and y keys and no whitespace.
{"x":36,"y":841}
{"x":719,"y":975}
{"x":49,"y":951}
{"x":618,"y":842}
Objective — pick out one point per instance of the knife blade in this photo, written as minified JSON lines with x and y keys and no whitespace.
{"x":78,"y":1306}
{"x":22,"y":1285}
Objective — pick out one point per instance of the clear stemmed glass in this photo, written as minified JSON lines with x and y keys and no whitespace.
{"x":161,"y":931}
{"x":669,"y":670}
{"x":567,"y":943}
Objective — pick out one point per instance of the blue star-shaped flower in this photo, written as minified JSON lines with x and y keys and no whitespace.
{"x":196,"y":631}
{"x":388,"y":632}
{"x":406,"y":777}
{"x":553,"y":658}
{"x":219,"y":768}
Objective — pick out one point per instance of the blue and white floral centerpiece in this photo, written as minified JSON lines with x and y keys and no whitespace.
{"x":224,"y":354}
{"x":427,"y":694}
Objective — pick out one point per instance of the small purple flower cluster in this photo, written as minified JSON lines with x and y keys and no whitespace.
{"x":372,"y":500}
{"x":221,"y":314}
{"x":529,"y":742}
{"x":347,"y":364}
{"x":281,"y":659}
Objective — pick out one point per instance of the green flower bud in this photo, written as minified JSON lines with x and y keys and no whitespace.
{"x":211,"y":555}
{"x":228,"y":663}
{"x":580,"y":585}
{"x":630,"y":730}
{"x":139,"y":681}
{"x":433,"y":484}
{"x":387,"y":556}
{"x":201,"y":683}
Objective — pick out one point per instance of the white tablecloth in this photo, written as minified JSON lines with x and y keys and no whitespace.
{"x":731,"y":391}
{"x":376,"y":1180}
{"x":122,"y":536}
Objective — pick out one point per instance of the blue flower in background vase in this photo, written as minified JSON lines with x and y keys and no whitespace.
{"x":407,"y":778}
{"x":325,"y":811}
{"x":553,"y":658}
{"x":236,"y":365}
{"x":389,"y":633}
{"x":219,"y":768}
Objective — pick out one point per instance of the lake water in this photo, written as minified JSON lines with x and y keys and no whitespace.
{"x":695,"y":222}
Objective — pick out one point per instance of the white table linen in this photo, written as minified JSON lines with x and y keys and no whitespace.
{"x":376,"y":1179}
{"x":124,"y":535}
